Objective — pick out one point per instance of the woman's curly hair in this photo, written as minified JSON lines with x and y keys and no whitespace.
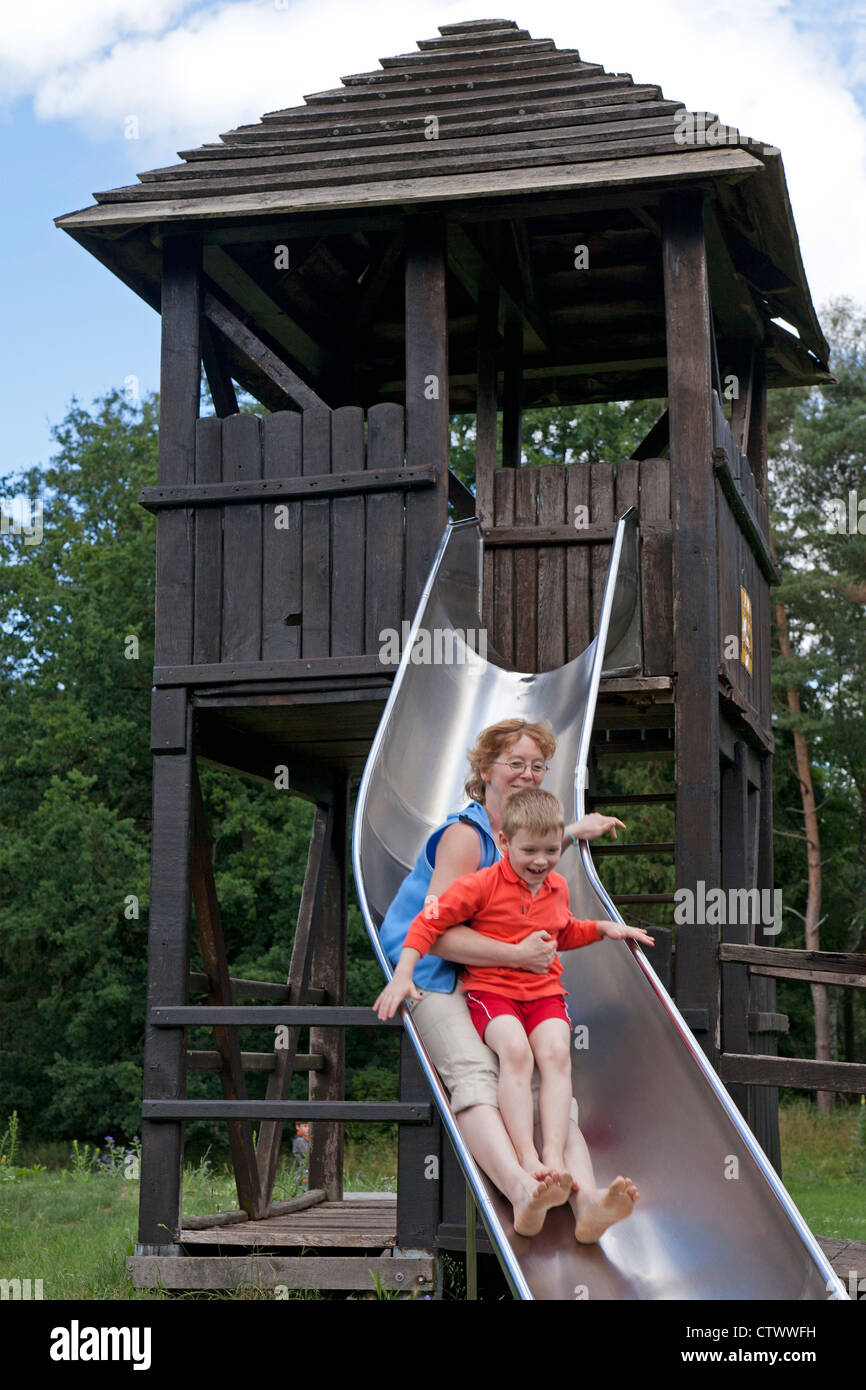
{"x":493,"y":741}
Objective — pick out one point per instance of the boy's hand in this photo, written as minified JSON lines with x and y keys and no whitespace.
{"x":618,"y":931}
{"x":392,"y":996}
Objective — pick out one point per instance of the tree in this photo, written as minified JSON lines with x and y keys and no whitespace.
{"x":818,"y":467}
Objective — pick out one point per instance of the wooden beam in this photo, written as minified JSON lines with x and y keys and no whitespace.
{"x":199,"y":1060}
{"x":746,"y":519}
{"x":797,"y":1072}
{"x":213,"y":954}
{"x":486,"y":397}
{"x":180,"y":384}
{"x":769,"y":1023}
{"x":757,"y":440}
{"x":157,"y":499}
{"x":656,"y":440}
{"x":279,"y":1084}
{"x":216,"y":368}
{"x":427,"y":411}
{"x":161,"y":1189}
{"x":328,"y":1086}
{"x":741,"y":405}
{"x":471,"y":262}
{"x":254,"y":989}
{"x":781,"y":960}
{"x":419,"y":1161}
{"x":687,"y":316}
{"x":548,"y":535}
{"x":261,"y":356}
{"x":237,"y":284}
{"x":354,"y":1111}
{"x":267,"y":1016}
{"x":237,"y":1218}
{"x":286,"y":1271}
{"x":375,"y":283}
{"x":765,"y":1102}
{"x":230,"y":671}
{"x":512,"y":393}
{"x":257,"y":758}
{"x":735,"y":977}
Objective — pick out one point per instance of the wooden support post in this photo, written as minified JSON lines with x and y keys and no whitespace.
{"x":427,"y":436}
{"x":512,"y":392}
{"x":213,"y":954}
{"x":161,"y":1189}
{"x":757,"y":443}
{"x":329,"y":973}
{"x":765,"y":1105}
{"x":485,"y":400}
{"x":736,"y":875}
{"x":741,"y":405}
{"x":217,"y":371}
{"x":180,"y":384}
{"x":280,"y":1080}
{"x":485,"y":428}
{"x":696,"y":655}
{"x":419,"y":1185}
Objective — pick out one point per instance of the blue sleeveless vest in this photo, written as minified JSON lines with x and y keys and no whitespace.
{"x":432,"y":973}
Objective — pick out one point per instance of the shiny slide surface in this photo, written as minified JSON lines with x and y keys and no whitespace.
{"x":713,"y":1220}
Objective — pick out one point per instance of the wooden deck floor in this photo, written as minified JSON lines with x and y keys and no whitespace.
{"x":362,"y":1221}
{"x":298,"y":1250}
{"x":295,"y":1250}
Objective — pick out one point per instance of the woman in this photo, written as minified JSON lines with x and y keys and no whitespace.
{"x":511,"y":754}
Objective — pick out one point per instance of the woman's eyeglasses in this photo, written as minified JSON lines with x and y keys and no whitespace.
{"x":519,"y":765}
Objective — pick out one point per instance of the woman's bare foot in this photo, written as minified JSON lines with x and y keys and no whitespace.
{"x":597,"y":1209}
{"x":535,"y":1200}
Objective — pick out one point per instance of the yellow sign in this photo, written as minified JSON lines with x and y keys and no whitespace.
{"x":746,"y":630}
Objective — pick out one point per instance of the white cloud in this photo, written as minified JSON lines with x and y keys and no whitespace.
{"x":41,"y":40}
{"x":187,"y":73}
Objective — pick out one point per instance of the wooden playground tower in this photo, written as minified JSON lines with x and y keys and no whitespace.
{"x":486,"y":225}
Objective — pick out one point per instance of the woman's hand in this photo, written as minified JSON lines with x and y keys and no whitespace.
{"x":535,"y":953}
{"x":591,"y":826}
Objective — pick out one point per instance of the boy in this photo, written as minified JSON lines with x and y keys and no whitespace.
{"x":520,"y":1015}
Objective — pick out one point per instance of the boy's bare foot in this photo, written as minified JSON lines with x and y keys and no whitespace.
{"x":598,"y":1209}
{"x":536,"y":1199}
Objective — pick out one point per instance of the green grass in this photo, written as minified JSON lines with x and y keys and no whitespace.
{"x":71,"y":1222}
{"x":72,"y":1226}
{"x":824,"y":1167}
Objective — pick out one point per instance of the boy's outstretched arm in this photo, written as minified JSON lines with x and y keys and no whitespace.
{"x":618,"y":931}
{"x":400,"y":985}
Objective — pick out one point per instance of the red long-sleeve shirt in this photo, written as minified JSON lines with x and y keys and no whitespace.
{"x":498,"y":903}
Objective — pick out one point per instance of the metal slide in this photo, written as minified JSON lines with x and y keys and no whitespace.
{"x":713,"y":1220}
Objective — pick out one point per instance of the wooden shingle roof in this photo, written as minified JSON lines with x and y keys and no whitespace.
{"x":488,"y":122}
{"x":483,"y":108}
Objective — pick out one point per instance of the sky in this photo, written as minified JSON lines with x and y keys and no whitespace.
{"x":77,"y":80}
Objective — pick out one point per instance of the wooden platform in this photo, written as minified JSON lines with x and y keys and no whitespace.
{"x":282,"y":1252}
{"x":363,"y":1220}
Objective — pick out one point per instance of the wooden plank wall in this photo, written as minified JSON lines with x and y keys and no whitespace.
{"x":741,"y":469}
{"x":738,"y":568}
{"x":331,"y":575}
{"x":543,"y":604}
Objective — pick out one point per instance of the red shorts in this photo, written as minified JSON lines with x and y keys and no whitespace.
{"x":484,"y":1006}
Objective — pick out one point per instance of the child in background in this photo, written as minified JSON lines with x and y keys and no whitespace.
{"x":520,"y":1015}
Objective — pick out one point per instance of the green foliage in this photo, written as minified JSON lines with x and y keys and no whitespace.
{"x":75,"y":805}
{"x":818,"y":458}
{"x":595,"y":433}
